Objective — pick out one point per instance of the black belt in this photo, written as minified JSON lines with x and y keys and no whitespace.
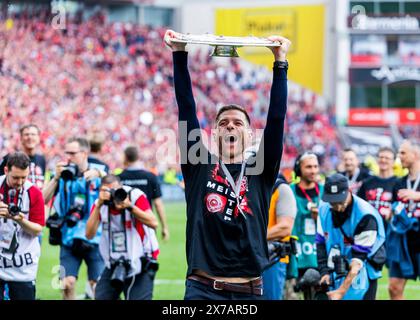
{"x":250,"y":287}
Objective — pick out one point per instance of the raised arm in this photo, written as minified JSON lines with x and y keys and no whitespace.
{"x":273,"y":132}
{"x":50,"y":188}
{"x":183,"y":88}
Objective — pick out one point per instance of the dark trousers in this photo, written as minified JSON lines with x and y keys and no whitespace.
{"x":195,"y":290}
{"x":139,"y":287}
{"x":18,"y":290}
{"x":371,"y":293}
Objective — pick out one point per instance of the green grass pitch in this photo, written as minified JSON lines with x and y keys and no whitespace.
{"x":170,"y":278}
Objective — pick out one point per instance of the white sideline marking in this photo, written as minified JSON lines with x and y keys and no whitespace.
{"x":170,"y":281}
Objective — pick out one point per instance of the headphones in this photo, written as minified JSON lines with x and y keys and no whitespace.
{"x":299,"y":159}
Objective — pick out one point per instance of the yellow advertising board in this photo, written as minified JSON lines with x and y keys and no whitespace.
{"x":303,"y":25}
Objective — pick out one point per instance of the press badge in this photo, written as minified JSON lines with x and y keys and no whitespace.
{"x":310,"y":228}
{"x":118,"y":241}
{"x":333,"y":252}
{"x":80,"y":200}
{"x":6,"y":235}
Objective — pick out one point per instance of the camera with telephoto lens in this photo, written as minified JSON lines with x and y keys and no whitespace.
{"x":14,"y":209}
{"x":120,"y":270}
{"x":341,"y":265}
{"x":70,"y":172}
{"x":74,"y":215}
{"x":149,"y":264}
{"x":55,"y":223}
{"x":117,"y":195}
{"x":282,"y":249}
{"x":310,"y":286}
{"x":278,"y":250}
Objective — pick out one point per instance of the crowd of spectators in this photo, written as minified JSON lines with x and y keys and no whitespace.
{"x":412,"y":131}
{"x":96,"y":76}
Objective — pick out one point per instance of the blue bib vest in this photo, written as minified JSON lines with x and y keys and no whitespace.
{"x":334,"y":238}
{"x":77,"y":191}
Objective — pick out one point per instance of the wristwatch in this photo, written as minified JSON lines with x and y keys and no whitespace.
{"x":130,"y":208}
{"x":281,"y":64}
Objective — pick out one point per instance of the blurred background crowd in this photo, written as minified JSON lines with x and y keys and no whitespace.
{"x":115,"y":80}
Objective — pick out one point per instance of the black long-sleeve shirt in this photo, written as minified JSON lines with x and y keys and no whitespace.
{"x":220,"y":240}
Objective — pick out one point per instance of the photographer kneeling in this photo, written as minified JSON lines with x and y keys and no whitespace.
{"x":21,"y":220}
{"x":350,"y":243}
{"x":128,"y":244}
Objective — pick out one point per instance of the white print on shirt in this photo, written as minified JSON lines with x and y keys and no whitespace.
{"x":18,"y":261}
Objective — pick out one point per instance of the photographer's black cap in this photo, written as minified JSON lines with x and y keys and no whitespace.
{"x":336,"y":188}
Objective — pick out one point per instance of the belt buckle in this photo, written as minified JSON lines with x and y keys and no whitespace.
{"x":215,"y":287}
{"x":260,"y":291}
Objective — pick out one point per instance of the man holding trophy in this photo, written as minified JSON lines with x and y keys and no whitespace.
{"x":227,"y":194}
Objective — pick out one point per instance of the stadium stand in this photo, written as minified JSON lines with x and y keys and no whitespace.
{"x":100,"y":76}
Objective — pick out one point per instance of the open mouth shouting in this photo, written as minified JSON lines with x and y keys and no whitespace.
{"x":230,"y":138}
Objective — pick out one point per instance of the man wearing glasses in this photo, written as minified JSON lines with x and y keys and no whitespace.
{"x":75,"y":187}
{"x":350,"y":242}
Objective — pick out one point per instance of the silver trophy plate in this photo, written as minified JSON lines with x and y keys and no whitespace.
{"x":225,"y":46}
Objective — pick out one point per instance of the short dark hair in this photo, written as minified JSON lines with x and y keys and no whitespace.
{"x":19,"y":160}
{"x":96,"y":142}
{"x":131,"y":154}
{"x":352,"y":151}
{"x":83,"y":143}
{"x":110,"y":178}
{"x":349,"y":150}
{"x":233,"y":107}
{"x":27,"y":126}
{"x":386,"y":149}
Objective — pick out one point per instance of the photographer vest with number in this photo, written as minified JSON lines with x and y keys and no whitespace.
{"x":131,"y":240}
{"x":339,"y":241}
{"x":73,"y":204}
{"x":19,"y":250}
{"x":305,"y":228}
